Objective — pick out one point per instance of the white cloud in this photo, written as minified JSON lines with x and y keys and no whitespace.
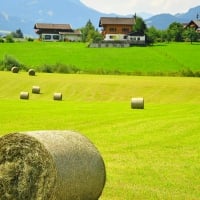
{"x":50,"y":13}
{"x":151,"y":6}
{"x":40,"y":12}
{"x":44,"y":12}
{"x":33,"y":2}
{"x":5,"y":15}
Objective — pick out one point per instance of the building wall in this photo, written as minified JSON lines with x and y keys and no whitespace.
{"x":50,"y":37}
{"x":72,"y":37}
{"x":116,"y":29}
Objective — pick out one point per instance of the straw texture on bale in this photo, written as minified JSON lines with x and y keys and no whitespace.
{"x":57,"y":96}
{"x":36,"y":89}
{"x":137,"y":103}
{"x":31,"y":72}
{"x":24,"y":95}
{"x":50,"y":165}
{"x":15,"y":69}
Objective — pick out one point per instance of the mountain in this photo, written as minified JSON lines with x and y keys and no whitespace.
{"x":162,"y":21}
{"x":23,"y":14}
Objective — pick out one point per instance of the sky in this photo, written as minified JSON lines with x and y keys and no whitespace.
{"x":125,"y":7}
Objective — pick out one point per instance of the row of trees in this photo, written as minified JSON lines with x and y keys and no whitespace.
{"x":10,"y":37}
{"x":175,"y":32}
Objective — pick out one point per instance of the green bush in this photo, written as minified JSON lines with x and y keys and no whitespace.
{"x":1,"y":40}
{"x":8,"y":62}
{"x":9,"y":39}
{"x":29,"y":39}
{"x":58,"y":68}
{"x":45,"y":68}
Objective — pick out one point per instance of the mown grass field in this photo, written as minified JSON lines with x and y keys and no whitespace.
{"x":149,"y":154}
{"x":163,"y":58}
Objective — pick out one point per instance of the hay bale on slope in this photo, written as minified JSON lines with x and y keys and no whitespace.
{"x":15,"y":69}
{"x":137,"y":103}
{"x":50,"y":165}
{"x":36,"y":90}
{"x":31,"y":72}
{"x":57,"y":96}
{"x":24,"y":95}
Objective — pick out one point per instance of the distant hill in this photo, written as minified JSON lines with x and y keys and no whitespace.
{"x":162,"y":21}
{"x":24,"y":14}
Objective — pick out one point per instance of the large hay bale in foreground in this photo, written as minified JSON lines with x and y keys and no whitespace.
{"x":36,"y":90}
{"x":24,"y":95}
{"x":50,"y":165}
{"x":137,"y":103}
{"x":15,"y":69}
{"x":31,"y":72}
{"x":57,"y":96}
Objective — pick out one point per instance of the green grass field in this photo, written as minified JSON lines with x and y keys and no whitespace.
{"x":164,"y":58}
{"x":149,"y":154}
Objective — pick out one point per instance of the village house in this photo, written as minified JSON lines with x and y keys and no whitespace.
{"x":120,"y":29}
{"x":194,"y":24}
{"x":56,"y":32}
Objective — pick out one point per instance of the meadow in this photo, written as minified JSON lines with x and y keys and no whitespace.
{"x":159,"y":59}
{"x":149,"y":154}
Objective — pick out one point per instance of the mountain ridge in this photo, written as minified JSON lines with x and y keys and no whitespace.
{"x":23,"y":14}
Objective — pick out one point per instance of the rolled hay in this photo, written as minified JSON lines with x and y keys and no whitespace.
{"x":15,"y":69}
{"x":137,"y":103}
{"x":24,"y":95}
{"x":50,"y":165}
{"x":36,"y":90}
{"x":57,"y":96}
{"x":31,"y":72}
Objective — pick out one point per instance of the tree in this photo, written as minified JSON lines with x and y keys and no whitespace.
{"x":191,"y":34}
{"x":152,"y":34}
{"x":139,"y":26}
{"x":175,"y":32}
{"x":9,"y":38}
{"x":17,"y":34}
{"x":90,"y":34}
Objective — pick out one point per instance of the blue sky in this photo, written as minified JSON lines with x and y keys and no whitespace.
{"x":147,"y":6}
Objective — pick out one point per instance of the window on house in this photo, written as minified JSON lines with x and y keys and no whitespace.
{"x":47,"y":37}
{"x":125,"y":30}
{"x":112,"y":29}
{"x":56,"y":37}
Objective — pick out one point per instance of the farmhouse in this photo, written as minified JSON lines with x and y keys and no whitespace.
{"x":56,"y":32}
{"x":115,"y":27}
{"x":194,"y":24}
{"x":120,"y":29}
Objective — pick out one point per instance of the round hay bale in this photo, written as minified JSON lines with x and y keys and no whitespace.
{"x":137,"y":103}
{"x":31,"y":72}
{"x":57,"y":96}
{"x":15,"y":69}
{"x":50,"y":165}
{"x":24,"y":95}
{"x":36,"y":90}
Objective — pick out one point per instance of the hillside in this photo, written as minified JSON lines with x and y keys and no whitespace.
{"x":148,"y":153}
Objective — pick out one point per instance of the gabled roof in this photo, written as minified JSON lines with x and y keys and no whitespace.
{"x":195,"y":22}
{"x":116,"y":21}
{"x":52,"y":26}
